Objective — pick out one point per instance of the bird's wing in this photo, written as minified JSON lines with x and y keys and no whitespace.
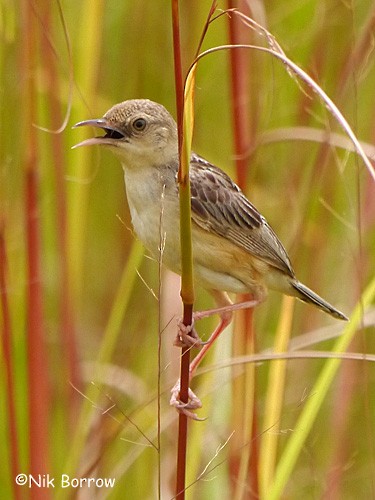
{"x":218,"y":205}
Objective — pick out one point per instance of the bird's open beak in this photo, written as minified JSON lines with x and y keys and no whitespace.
{"x":111,"y":137}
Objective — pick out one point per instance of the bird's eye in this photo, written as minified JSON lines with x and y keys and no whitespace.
{"x":139,"y":124}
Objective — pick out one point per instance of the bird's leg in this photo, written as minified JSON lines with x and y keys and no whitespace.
{"x":225,"y":310}
{"x":187,"y":336}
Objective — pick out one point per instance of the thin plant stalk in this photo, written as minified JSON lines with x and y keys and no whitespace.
{"x":185,"y":121}
{"x":6,"y":343}
{"x":66,"y":320}
{"x":187,"y":287}
{"x":274,"y":400}
{"x":38,"y":378}
{"x":87,"y":70}
{"x":185,"y":124}
{"x":243,"y":332}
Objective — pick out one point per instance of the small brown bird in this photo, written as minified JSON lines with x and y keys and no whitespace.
{"x":234,"y":248}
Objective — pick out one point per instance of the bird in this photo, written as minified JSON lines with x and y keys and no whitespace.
{"x":235,"y":250}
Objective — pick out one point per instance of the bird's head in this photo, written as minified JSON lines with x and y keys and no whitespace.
{"x":138,"y":132}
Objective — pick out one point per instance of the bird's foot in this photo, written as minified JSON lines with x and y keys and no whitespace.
{"x":187,"y":336}
{"x":193,"y":403}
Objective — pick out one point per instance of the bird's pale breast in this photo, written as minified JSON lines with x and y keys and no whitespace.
{"x":218,"y":263}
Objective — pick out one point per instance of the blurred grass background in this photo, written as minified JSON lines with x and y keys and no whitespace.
{"x":76,"y":293}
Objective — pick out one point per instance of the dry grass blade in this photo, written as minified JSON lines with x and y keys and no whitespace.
{"x":305,"y":78}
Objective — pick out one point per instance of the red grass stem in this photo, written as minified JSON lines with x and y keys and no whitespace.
{"x":9,"y":369}
{"x":66,"y":316}
{"x":38,"y":380}
{"x":188,"y":309}
{"x":239,"y":83}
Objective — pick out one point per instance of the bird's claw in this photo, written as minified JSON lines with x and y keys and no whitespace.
{"x":194,"y":403}
{"x":187,"y":336}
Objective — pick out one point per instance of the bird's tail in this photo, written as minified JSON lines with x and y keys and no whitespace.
{"x":307,"y":295}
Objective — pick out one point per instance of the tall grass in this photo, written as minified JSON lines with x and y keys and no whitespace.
{"x":82,"y":309}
